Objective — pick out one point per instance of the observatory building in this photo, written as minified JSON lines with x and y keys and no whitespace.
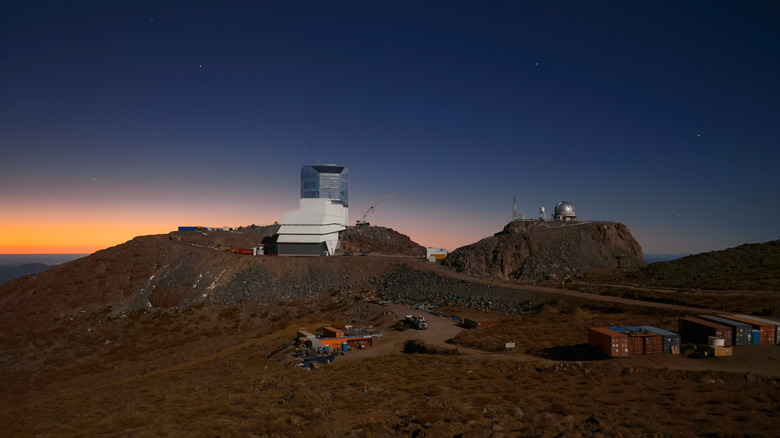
{"x":314,"y":228}
{"x":564,"y":211}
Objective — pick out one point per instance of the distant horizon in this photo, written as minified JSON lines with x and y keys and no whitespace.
{"x":149,"y":117}
{"x":51,"y":259}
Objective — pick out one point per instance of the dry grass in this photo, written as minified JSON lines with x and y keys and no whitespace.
{"x":194,"y":373}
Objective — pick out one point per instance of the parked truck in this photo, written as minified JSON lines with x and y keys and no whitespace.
{"x":417,"y":322}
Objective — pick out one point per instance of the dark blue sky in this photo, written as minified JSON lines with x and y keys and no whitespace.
{"x":141,"y":116}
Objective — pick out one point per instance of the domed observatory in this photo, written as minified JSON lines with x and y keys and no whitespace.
{"x":314,"y":228}
{"x":564,"y":211}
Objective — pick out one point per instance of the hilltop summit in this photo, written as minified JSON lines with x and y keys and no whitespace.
{"x":544,"y":250}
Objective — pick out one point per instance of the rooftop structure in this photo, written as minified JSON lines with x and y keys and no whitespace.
{"x":325,"y":181}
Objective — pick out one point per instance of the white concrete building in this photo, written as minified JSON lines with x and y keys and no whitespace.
{"x":314,"y":228}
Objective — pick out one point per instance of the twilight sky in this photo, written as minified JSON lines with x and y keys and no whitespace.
{"x":123,"y":118}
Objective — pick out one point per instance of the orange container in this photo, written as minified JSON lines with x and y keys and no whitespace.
{"x":611,"y":343}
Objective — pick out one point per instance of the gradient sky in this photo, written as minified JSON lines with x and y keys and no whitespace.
{"x":124,"y":118}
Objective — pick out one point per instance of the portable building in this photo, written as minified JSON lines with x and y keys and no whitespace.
{"x":767,"y":331}
{"x":435,"y":254}
{"x":766,"y":321}
{"x":670,"y":340}
{"x":741,"y":332}
{"x":698,"y":330}
{"x":353,"y":343}
{"x":609,"y":342}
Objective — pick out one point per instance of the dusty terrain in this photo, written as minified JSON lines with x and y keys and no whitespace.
{"x":173,"y":336}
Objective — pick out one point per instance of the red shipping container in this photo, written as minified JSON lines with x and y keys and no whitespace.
{"x":654,"y":343}
{"x":767,"y":331}
{"x":636,"y":345}
{"x":611,"y":343}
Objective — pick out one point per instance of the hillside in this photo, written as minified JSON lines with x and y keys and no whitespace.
{"x":171,"y":335}
{"x":380,"y":240}
{"x":185,"y":268}
{"x":749,"y":267}
{"x":535,"y":250}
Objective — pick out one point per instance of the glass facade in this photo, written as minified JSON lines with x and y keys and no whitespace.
{"x":325,"y":181}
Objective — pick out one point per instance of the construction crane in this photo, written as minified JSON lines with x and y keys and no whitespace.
{"x":362,"y":222}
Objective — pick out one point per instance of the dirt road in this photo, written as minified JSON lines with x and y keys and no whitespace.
{"x":438,"y":269}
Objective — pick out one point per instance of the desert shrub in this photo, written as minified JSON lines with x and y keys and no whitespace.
{"x":416,"y":346}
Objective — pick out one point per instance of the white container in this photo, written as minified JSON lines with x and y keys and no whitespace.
{"x":712,"y":341}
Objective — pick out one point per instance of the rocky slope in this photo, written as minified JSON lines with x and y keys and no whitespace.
{"x":382,"y":240}
{"x":548,"y":250}
{"x":182,"y":268}
{"x":753,"y":267}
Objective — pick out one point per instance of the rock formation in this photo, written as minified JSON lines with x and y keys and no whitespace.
{"x":537,"y":250}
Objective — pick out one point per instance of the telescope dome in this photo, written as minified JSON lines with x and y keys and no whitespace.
{"x":564,"y":211}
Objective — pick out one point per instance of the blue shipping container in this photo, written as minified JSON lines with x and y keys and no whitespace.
{"x":188,"y":228}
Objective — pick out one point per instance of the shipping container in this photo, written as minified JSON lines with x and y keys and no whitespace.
{"x":245,"y":251}
{"x":635,"y":345}
{"x":330,"y":332}
{"x":640,"y":341}
{"x":188,"y":228}
{"x":767,"y":330}
{"x":670,"y":340}
{"x":741,"y":333}
{"x":611,"y":343}
{"x":697,"y":330}
{"x":766,"y":321}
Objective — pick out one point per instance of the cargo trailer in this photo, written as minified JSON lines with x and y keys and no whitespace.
{"x":767,"y":331}
{"x":741,"y":333}
{"x":609,"y":342}
{"x":698,"y":330}
{"x":766,"y":321}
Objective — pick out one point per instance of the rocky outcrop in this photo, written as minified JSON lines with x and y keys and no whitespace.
{"x":382,"y":240}
{"x":538,"y":250}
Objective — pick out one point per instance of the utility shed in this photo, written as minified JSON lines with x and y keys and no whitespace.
{"x":741,"y":333}
{"x":698,"y":330}
{"x":767,"y":335}
{"x":304,"y":334}
{"x":766,"y":321}
{"x":671,"y":340}
{"x":609,"y":342}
